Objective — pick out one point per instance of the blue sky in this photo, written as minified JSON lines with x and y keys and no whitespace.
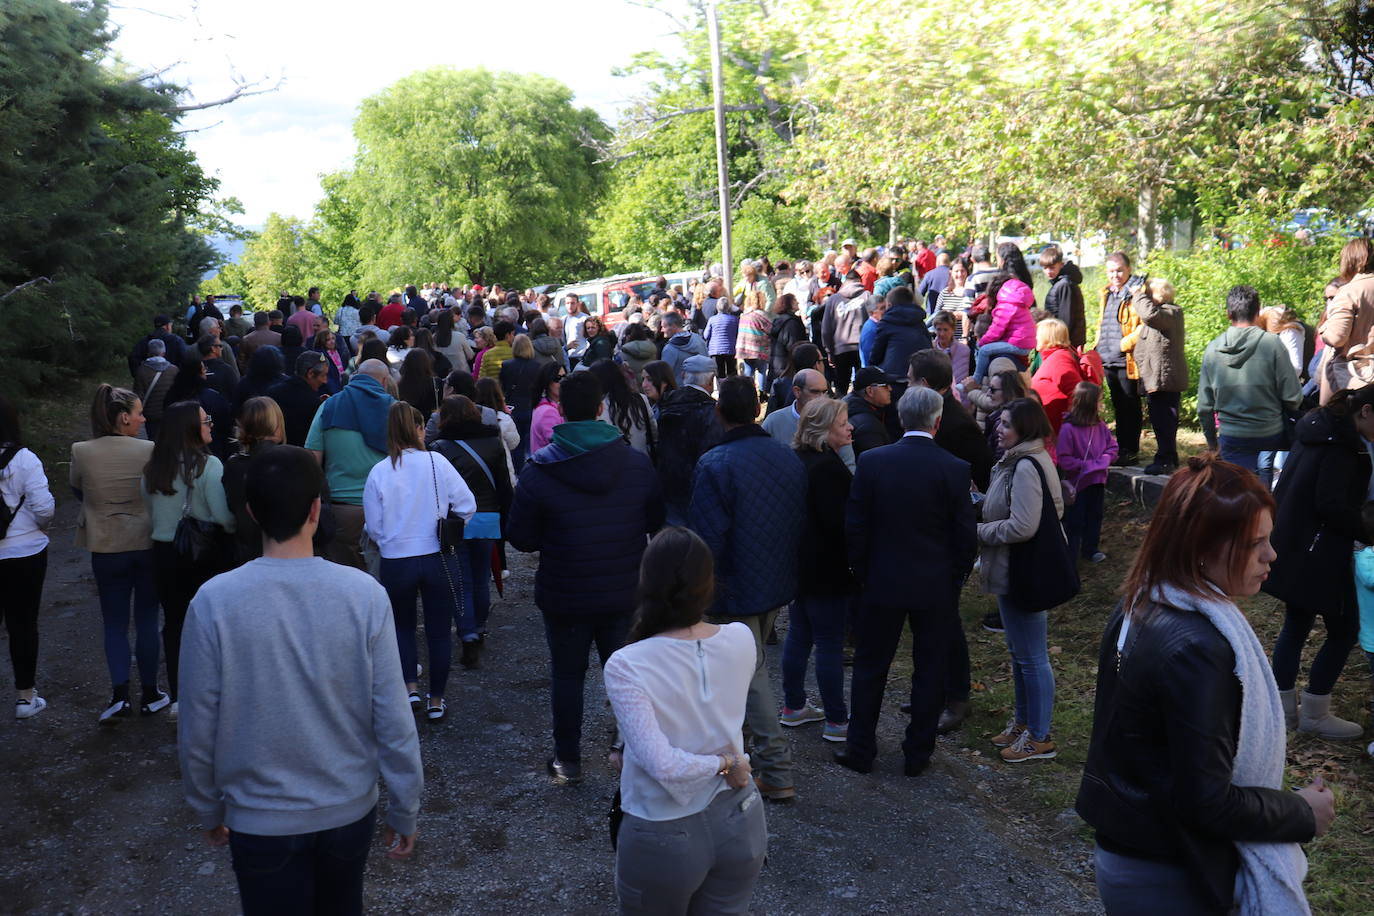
{"x":269,"y":150}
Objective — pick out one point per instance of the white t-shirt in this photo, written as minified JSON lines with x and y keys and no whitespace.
{"x":680,"y":707}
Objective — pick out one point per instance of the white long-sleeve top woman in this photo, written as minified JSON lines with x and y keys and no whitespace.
{"x":24,"y":486}
{"x":680,"y":705}
{"x":402,"y":504}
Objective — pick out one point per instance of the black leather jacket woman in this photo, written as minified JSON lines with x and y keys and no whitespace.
{"x":1157,"y":782}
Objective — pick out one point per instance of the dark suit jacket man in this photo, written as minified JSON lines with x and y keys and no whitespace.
{"x":909,"y":501}
{"x":960,"y":436}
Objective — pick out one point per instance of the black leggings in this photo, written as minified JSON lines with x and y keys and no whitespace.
{"x":19,"y":600}
{"x":726,"y":366}
{"x":1341,"y":631}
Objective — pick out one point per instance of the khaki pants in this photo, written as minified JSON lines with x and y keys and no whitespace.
{"x":346,"y":548}
{"x":762,"y":730}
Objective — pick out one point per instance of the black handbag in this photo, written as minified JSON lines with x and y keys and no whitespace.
{"x":1042,"y":572}
{"x":196,"y":541}
{"x":450,"y":524}
{"x":613,"y":819}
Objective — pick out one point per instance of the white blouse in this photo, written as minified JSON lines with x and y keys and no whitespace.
{"x":680,"y":707}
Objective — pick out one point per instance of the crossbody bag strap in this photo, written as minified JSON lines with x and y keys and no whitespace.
{"x":186,"y":503}
{"x":149,"y":393}
{"x":478,"y":458}
{"x":434,"y":475}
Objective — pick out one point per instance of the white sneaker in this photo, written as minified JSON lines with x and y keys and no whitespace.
{"x":1370,"y":750}
{"x":156,"y":705}
{"x":117,"y":712}
{"x":26,"y":709}
{"x":172,"y":711}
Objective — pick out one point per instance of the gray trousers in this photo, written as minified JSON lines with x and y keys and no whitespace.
{"x":763,"y":738}
{"x":705,"y":863}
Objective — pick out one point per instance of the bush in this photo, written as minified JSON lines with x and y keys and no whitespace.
{"x":1288,"y":274}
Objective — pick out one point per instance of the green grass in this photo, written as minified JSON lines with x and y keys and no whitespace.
{"x":1338,"y":881}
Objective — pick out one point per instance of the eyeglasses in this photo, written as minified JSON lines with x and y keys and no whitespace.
{"x":208,"y":421}
{"x":994,"y":388}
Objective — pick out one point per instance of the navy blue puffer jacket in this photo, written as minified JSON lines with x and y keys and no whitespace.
{"x":589,"y":512}
{"x":749,"y":506}
{"x":901,"y":333}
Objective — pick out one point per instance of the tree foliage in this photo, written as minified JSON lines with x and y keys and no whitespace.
{"x":1074,"y":119}
{"x":99,"y":195}
{"x":473,"y":174}
{"x":662,"y":210}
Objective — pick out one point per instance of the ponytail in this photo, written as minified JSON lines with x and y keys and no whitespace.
{"x":107,"y":407}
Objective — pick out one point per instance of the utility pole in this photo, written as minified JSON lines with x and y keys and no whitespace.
{"x":722,"y":160}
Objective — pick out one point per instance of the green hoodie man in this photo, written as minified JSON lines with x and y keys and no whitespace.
{"x":1248,"y":382}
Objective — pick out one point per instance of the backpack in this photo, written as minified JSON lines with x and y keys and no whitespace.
{"x":1090,"y":364}
{"x":6,"y":513}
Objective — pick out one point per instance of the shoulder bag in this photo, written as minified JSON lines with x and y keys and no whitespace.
{"x":1042,"y":572}
{"x":449,"y":524}
{"x":196,"y":541}
{"x":484,"y":525}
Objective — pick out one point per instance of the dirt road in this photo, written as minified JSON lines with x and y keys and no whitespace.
{"x":92,"y":820}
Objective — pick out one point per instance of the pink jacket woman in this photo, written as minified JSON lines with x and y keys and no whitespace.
{"x":546,"y":416}
{"x":1011,"y":318}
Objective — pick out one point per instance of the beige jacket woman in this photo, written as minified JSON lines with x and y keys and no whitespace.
{"x":107,"y":472}
{"x":1011,"y":511}
{"x":1348,"y":331}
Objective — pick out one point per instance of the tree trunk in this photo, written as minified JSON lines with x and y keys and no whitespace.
{"x":1147,"y":219}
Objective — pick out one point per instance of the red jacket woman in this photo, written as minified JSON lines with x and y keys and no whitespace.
{"x":1058,"y":374}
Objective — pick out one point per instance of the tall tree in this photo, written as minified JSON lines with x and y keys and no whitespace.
{"x":274,"y":261}
{"x":98,"y":191}
{"x":492,"y":176}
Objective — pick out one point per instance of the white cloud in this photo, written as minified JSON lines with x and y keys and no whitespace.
{"x":269,"y":150}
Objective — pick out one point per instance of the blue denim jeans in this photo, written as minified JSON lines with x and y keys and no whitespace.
{"x":408,"y":578}
{"x":476,"y":608}
{"x":1269,"y":465}
{"x":1141,"y":887}
{"x":119,"y":577}
{"x":1245,"y":450}
{"x":757,"y":369}
{"x":1028,"y":641}
{"x":319,"y":872}
{"x":988,"y":352}
{"x":570,"y":638}
{"x":819,"y":621}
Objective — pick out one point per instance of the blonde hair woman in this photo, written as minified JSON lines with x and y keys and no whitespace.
{"x":404,"y":500}
{"x":261,"y":425}
{"x":1058,"y":374}
{"x":825,"y":589}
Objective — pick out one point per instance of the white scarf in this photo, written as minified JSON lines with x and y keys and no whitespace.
{"x":1269,"y":882}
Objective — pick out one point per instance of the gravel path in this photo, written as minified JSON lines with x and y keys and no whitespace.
{"x":92,"y":820}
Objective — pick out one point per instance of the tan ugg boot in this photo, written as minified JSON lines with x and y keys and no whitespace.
{"x":1290,"y":708}
{"x":1314,"y":718}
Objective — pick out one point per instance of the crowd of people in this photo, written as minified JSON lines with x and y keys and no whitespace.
{"x":837,"y":444}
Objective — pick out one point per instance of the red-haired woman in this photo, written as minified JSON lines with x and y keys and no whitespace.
{"x":1184,"y":777}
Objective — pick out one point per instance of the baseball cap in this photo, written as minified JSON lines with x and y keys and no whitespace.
{"x":849,"y":243}
{"x":870,"y":375}
{"x":698,"y":364}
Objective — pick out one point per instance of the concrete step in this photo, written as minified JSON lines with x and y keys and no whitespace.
{"x":1134,"y":484}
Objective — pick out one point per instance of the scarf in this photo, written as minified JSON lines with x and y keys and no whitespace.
{"x":362,"y":407}
{"x":1269,"y":882}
